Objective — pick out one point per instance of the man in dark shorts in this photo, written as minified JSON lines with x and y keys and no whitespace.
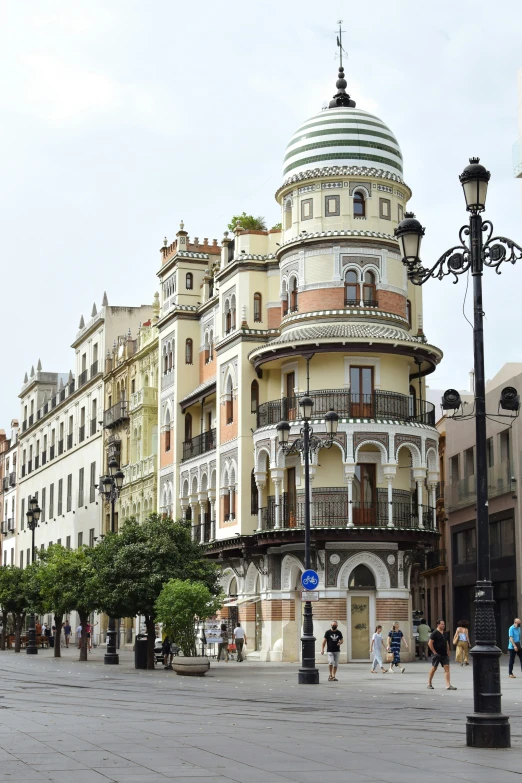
{"x":332,"y":640}
{"x":439,"y":646}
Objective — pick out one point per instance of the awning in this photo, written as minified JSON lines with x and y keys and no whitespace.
{"x":242,"y":601}
{"x":199,"y":393}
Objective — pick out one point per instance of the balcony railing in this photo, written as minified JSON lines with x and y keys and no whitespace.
{"x":83,"y":378}
{"x":11,"y":525}
{"x":463,"y":492}
{"x":81,"y":434}
{"x":5,"y":483}
{"x":4,"y":527}
{"x":37,"y":462}
{"x":199,"y":445}
{"x":30,"y":466}
{"x":145,"y":396}
{"x":116,"y":414}
{"x":294,"y":309}
{"x":12,"y":479}
{"x":140,"y":469}
{"x":60,"y":447}
{"x":94,"y":369}
{"x":379,"y":405}
{"x":31,"y":419}
{"x":69,"y":441}
{"x":71,"y":387}
{"x":44,"y":457}
{"x":204,"y":528}
{"x":53,"y":401}
{"x":94,"y":424}
{"x":436,"y":559}
{"x":358,"y":303}
{"x":51,"y":452}
{"x":24,"y":425}
{"x":330,"y":509}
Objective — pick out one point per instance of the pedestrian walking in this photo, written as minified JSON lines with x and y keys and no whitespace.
{"x":223,"y":644}
{"x":439,"y":646}
{"x":52,"y":637}
{"x":240,"y":640}
{"x":38,"y":628}
{"x":461,"y":642}
{"x":514,"y":646}
{"x":166,"y":649}
{"x":424,"y":631}
{"x":376,"y":650}
{"x":67,"y":632}
{"x":333,"y":640}
{"x":395,"y":639}
{"x":79,"y":636}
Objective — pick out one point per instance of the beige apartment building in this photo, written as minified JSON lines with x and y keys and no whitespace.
{"x":318,"y":304}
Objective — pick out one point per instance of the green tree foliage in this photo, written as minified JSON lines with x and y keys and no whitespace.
{"x":247,"y":222}
{"x":133,"y":565}
{"x":16,"y":596}
{"x":277,"y":227}
{"x":179,"y":604}
{"x":67,"y":582}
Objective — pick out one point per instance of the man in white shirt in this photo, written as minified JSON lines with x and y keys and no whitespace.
{"x":239,"y":639}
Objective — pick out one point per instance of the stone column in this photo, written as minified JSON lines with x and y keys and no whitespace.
{"x":202,"y":500}
{"x":193,"y":502}
{"x":212,"y":499}
{"x":432,"y":490}
{"x":349,"y":474}
{"x":389,"y":474}
{"x":419,"y":475}
{"x":277,"y":478}
{"x":231,"y":505}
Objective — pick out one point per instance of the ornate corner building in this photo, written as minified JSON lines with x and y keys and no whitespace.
{"x":321,"y":304}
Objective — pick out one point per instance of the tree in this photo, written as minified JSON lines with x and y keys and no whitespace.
{"x":133,"y":565}
{"x":247,"y":222}
{"x":277,"y":227}
{"x":14,"y":584}
{"x":66,"y":582}
{"x":178,"y":604}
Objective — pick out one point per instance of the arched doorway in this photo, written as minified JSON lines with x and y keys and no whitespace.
{"x":361,"y":611}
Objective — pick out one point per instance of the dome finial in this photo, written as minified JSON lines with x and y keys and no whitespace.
{"x":341,"y":98}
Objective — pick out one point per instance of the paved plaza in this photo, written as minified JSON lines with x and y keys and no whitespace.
{"x":62,"y":720}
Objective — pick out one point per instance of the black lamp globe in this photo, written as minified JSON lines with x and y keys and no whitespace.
{"x":283,"y":431}
{"x":36,"y":513}
{"x":332,"y":421}
{"x":409,"y":233}
{"x":107,"y":484}
{"x":113,"y":467}
{"x":33,"y":502}
{"x":474,"y":180}
{"x":119,"y":478}
{"x":30,"y":519}
{"x":307,"y":405}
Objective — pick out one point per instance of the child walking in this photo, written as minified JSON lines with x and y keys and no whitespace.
{"x":376,"y":650}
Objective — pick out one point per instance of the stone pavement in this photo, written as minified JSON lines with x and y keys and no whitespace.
{"x":62,"y":720}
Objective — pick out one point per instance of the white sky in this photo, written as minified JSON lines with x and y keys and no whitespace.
{"x":120,"y":118}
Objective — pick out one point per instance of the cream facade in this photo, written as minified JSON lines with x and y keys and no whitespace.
{"x":8,"y":493}
{"x":321,"y":305}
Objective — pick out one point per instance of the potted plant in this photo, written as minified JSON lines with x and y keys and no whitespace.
{"x":179,"y":606}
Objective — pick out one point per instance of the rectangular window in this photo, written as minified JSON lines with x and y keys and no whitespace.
{"x":22,"y":515}
{"x":59,"y":541}
{"x":401,"y":212}
{"x":469,"y":462}
{"x":454,"y":470}
{"x":332,"y":206}
{"x":51,"y":501}
{"x":464,"y":547}
{"x":80,"y":540}
{"x":60,"y":497}
{"x":69,"y":492}
{"x":490,"y":455}
{"x":385,"y":209}
{"x":42,"y":506}
{"x":21,"y":559}
{"x":80,"y":487}
{"x":92,"y":490}
{"x":307,"y":209}
{"x":68,"y":542}
{"x":28,"y":556}
{"x":91,"y":537}
{"x":505,"y":451}
{"x":12,"y":556}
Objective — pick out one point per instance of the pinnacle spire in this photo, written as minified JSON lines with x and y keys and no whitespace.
{"x":105,"y":301}
{"x":82,"y":323}
{"x":39,"y":366}
{"x":341,"y":98}
{"x":94,"y":310}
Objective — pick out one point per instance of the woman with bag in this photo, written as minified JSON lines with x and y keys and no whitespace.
{"x":395,"y":638}
{"x":461,"y":640}
{"x":223,"y":644}
{"x":376,"y":649}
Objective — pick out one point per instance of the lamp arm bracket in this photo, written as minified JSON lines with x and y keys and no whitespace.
{"x":455,"y":261}
{"x":499,"y":250}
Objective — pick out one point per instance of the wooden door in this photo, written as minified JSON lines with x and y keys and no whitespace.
{"x":364,"y":495}
{"x":290,"y":396}
{"x":361,"y":392}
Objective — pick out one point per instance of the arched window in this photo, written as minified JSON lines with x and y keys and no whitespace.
{"x":165,"y":362}
{"x":211,"y":346}
{"x":229,"y":412}
{"x":188,"y":427}
{"x":233,"y":311}
{"x":167,"y":430}
{"x":359,"y":204}
{"x":254,"y":495}
{"x":254,"y":397}
{"x":288,"y":214}
{"x":361,"y":576}
{"x":189,"y":281}
{"x":413,"y":401}
{"x":369,"y":291}
{"x":257,"y":308}
{"x":408,"y":311}
{"x":206,"y":349}
{"x":351,"y":289}
{"x":170,"y":356}
{"x":188,"y":351}
{"x":293,"y":295}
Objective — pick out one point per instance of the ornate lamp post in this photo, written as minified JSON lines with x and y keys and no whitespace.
{"x":308,"y":673}
{"x":33,"y":517}
{"x":487,"y":727}
{"x":111,"y":485}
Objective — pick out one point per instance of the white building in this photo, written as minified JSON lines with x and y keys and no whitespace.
{"x":9,"y":496}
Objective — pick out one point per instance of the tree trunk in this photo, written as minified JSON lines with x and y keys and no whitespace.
{"x":4,"y":630}
{"x":151,"y":638}
{"x":84,"y":619}
{"x":19,"y":621}
{"x":58,"y":621}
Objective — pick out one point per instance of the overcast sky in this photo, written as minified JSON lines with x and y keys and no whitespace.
{"x":120,"y":118}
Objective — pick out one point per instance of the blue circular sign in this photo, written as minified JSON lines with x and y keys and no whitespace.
{"x":310,"y":579}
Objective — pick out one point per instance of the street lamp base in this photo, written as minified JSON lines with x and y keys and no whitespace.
{"x":488,"y":731}
{"x":308,"y":677}
{"x":111,"y":658}
{"x":31,"y":650}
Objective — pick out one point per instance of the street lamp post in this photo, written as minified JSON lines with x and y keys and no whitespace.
{"x":111,"y":485}
{"x":33,"y":517}
{"x":308,"y":673}
{"x":487,"y":727}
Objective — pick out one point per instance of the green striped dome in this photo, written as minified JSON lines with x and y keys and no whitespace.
{"x":343,"y":136}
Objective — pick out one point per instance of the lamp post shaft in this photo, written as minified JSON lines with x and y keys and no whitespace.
{"x":308,"y":673}
{"x":32,"y":647}
{"x":111,"y":656}
{"x":487,"y":727}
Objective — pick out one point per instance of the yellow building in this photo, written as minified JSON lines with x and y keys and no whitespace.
{"x":321,"y":305}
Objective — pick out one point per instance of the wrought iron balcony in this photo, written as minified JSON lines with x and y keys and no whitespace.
{"x":5,"y":483}
{"x":37,"y":462}
{"x":83,"y":378}
{"x":94,"y":369}
{"x":30,"y":466}
{"x":294,"y":309}
{"x":358,"y":303}
{"x":202,"y":529}
{"x":81,"y":433}
{"x":115,"y":415}
{"x":60,"y":447}
{"x":94,"y":424}
{"x":330,"y":509}
{"x":51,"y":452}
{"x":379,"y":405}
{"x":44,"y":457}
{"x":31,"y":419}
{"x":4,"y":527}
{"x":69,"y":441}
{"x":436,"y":559}
{"x":199,"y":445}
{"x":11,"y":525}
{"x":12,"y":479}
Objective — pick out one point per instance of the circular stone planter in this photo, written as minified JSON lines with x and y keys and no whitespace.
{"x":191,"y":667}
